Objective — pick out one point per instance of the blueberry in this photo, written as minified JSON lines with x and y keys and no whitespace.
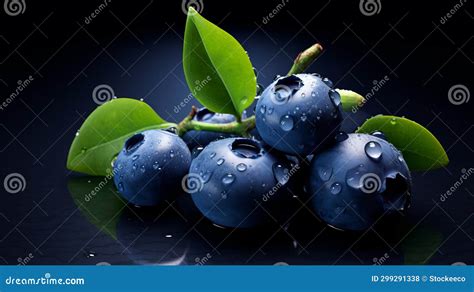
{"x":150,"y":167}
{"x":358,"y":180}
{"x":201,"y":138}
{"x":238,"y":182}
{"x":296,"y":114}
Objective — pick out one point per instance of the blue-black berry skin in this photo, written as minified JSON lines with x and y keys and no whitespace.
{"x":358,"y":180}
{"x":150,"y":167}
{"x":298,"y":114}
{"x":202,"y":138}
{"x":238,"y":182}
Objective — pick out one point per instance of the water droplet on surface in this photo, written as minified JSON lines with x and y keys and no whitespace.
{"x":134,"y":166}
{"x":171,"y":153}
{"x":303,"y":94}
{"x":341,"y":136}
{"x":228,"y":179}
{"x":212,"y":155}
{"x":90,"y":254}
{"x":324,"y":172}
{"x":281,"y":173}
{"x":336,"y":188}
{"x":142,"y":168}
{"x":270,"y":110}
{"x":400,"y":158}
{"x":373,"y":150}
{"x":335,"y":97}
{"x":120,"y":187}
{"x":220,"y":161}
{"x":286,"y":123}
{"x":206,"y":176}
{"x":241,"y":167}
{"x":393,"y":121}
{"x":77,"y":133}
{"x":263,"y":109}
{"x":303,"y":117}
{"x":156,"y":165}
{"x":135,"y":157}
{"x":379,"y":134}
{"x":196,"y":151}
{"x":328,"y":82}
{"x":313,"y":94}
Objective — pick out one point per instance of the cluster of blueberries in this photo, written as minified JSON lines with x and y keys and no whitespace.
{"x":296,"y":150}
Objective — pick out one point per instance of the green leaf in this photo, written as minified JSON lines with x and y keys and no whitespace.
{"x":351,"y":101}
{"x":217,"y":68}
{"x":104,"y":132}
{"x":421,"y":245}
{"x":421,"y":150}
{"x":98,"y":201}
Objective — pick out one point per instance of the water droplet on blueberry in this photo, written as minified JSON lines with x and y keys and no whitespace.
{"x":328,"y":82}
{"x":335,"y":97}
{"x":373,"y":150}
{"x":228,"y":179}
{"x":220,"y":161}
{"x":241,"y":167}
{"x":324,"y":173}
{"x":281,"y":173}
{"x":336,"y":188}
{"x":379,"y":134}
{"x":286,"y":123}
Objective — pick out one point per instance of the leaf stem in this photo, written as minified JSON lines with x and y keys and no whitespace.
{"x":305,"y":58}
{"x":241,"y":127}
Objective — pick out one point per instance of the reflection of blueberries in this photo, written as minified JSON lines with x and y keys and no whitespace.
{"x":298,"y":113}
{"x":201,"y":138}
{"x":357,"y":180}
{"x":150,"y":167}
{"x":235,"y":174}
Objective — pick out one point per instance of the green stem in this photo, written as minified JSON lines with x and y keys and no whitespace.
{"x":305,"y":58}
{"x":241,"y":127}
{"x":351,"y":101}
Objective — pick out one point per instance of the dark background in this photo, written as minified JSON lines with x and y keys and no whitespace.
{"x":136,"y":48}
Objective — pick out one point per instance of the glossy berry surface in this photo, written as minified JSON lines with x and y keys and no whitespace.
{"x":150,"y":167}
{"x":236,"y":182}
{"x":297,"y":114}
{"x":359,"y":179}
{"x":195,"y":138}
